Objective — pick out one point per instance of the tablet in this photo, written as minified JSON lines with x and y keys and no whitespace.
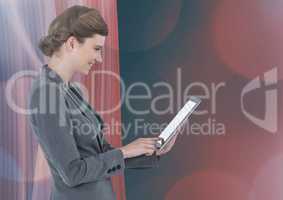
{"x":176,"y":123}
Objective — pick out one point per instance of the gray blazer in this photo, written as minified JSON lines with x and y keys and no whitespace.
{"x":70,"y":134}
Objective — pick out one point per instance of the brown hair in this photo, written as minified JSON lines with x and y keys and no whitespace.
{"x":78,"y":21}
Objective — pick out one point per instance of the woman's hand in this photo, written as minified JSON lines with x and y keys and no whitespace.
{"x":167,"y":147}
{"x":139,"y":147}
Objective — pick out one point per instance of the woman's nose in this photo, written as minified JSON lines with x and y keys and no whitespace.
{"x":99,"y":58}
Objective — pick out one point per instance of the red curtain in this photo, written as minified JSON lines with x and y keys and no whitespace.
{"x":24,"y":173}
{"x":103,"y":84}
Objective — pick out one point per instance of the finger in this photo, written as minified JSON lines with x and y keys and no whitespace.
{"x":171,"y":143}
{"x":149,"y":146}
{"x":149,"y":152}
{"x":169,"y":146}
{"x":161,"y":152}
{"x":151,"y":139}
{"x":151,"y":142}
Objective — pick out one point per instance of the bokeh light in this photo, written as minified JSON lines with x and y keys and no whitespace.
{"x":248,"y":35}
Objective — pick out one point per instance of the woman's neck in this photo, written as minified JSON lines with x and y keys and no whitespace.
{"x":61,"y":68}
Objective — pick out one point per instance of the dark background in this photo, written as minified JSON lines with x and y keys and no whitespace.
{"x":213,"y":42}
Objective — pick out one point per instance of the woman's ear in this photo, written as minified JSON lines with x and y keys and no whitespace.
{"x":71,"y":44}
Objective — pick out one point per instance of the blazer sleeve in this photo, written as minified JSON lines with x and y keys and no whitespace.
{"x":139,"y":162}
{"x":58,"y":143}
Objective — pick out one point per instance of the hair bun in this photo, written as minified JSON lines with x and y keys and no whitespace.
{"x":46,"y":45}
{"x":52,"y":42}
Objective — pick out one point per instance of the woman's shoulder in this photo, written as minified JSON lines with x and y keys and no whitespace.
{"x":45,"y":87}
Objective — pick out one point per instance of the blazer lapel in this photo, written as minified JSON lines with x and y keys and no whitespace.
{"x":88,"y":112}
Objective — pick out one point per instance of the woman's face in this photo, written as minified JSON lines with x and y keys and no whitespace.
{"x":85,"y":54}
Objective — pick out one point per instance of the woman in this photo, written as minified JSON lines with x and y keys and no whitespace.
{"x":81,"y":164}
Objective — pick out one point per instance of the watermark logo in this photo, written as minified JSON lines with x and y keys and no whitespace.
{"x":139,"y":99}
{"x":270,"y":120}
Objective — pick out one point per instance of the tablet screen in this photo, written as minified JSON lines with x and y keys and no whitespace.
{"x":184,"y":113}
